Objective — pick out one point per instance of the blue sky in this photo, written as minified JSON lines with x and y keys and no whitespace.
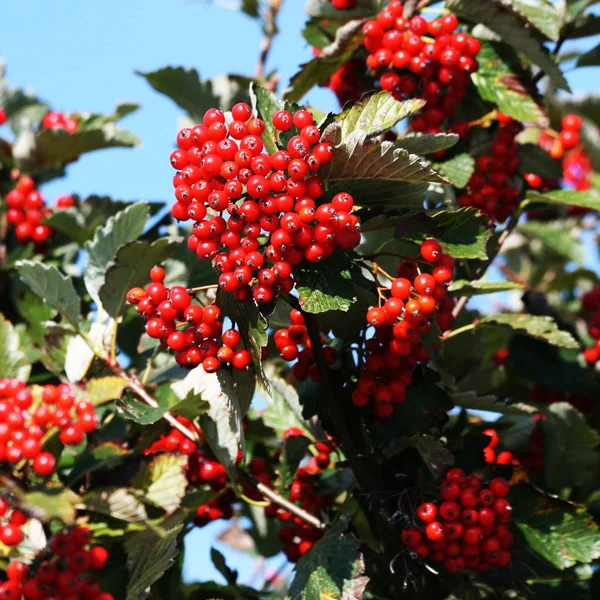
{"x":80,"y":56}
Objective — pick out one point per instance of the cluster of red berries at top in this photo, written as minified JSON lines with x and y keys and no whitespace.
{"x":11,"y":524}
{"x":491,"y":453}
{"x":163,"y":308}
{"x":343,"y":4}
{"x":416,"y":66}
{"x":466,"y":527}
{"x":490,"y":188}
{"x":24,"y":422}
{"x":416,"y":299}
{"x":273,"y":219}
{"x":27,"y":209}
{"x":289,"y":342}
{"x":296,"y":536}
{"x":590,"y":303}
{"x":55,"y":119}
{"x":66,"y":571}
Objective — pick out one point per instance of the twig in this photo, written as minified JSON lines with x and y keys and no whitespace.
{"x":270,"y":30}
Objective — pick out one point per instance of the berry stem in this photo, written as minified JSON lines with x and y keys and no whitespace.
{"x":270,"y":31}
{"x":203,"y":288}
{"x":377,"y":269}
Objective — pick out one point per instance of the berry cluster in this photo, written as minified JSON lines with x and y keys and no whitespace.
{"x":490,"y":453}
{"x":467,"y":527}
{"x":163,"y":308}
{"x":416,"y":298}
{"x":490,"y":188}
{"x":436,"y":70}
{"x":345,"y":82}
{"x":289,"y":341}
{"x":23,"y":423}
{"x":296,"y":536}
{"x":11,"y":524}
{"x":590,"y":303}
{"x":278,"y":220}
{"x":27,"y":209}
{"x":67,"y":571}
{"x":55,"y":119}
{"x":343,"y":4}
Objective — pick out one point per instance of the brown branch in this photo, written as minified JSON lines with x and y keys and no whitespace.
{"x":270,"y":31}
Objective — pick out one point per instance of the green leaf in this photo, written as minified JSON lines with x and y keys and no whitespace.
{"x":195,"y":96}
{"x":555,"y":238}
{"x":540,"y":13}
{"x":104,"y":456}
{"x":584,"y":26}
{"x":427,"y":143}
{"x":164,"y":480}
{"x":375,"y":115}
{"x":462,"y":233}
{"x":458,"y":169}
{"x":436,"y":456}
{"x":130,"y":269}
{"x":220,"y":564}
{"x":383,"y":193}
{"x":541,"y":328}
{"x":571,"y":452}
{"x":55,"y":289}
{"x":590,"y":59}
{"x":327,"y":285}
{"x":80,"y":222}
{"x":124,"y":227}
{"x":534,"y":159}
{"x":499,"y":80}
{"x":12,"y":358}
{"x":317,"y":71}
{"x":140,"y":413}
{"x":576,"y":7}
{"x":148,"y":557}
{"x":228,"y":394}
{"x":266,"y":104}
{"x":118,"y":503}
{"x":250,"y":7}
{"x":104,"y":389}
{"x":333,"y":568}
{"x":462,"y":287}
{"x":587,"y":199}
{"x":323,"y":9}
{"x":294,"y":450}
{"x":560,"y":532}
{"x":252,"y":326}
{"x":509,"y":27}
{"x":52,"y":503}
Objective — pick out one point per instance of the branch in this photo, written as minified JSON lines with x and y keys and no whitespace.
{"x":270,"y":30}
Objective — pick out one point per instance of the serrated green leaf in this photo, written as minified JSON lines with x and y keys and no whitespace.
{"x":333,"y":568}
{"x":294,"y":450}
{"x":317,"y":71}
{"x":509,"y":27}
{"x":554,"y":238}
{"x":118,"y":503}
{"x":104,"y":389}
{"x":124,"y":227}
{"x":139,"y":412}
{"x":328,"y":285}
{"x":499,"y":80}
{"x":458,"y":169}
{"x":539,"y":327}
{"x":130,"y":269}
{"x":561,"y":533}
{"x":163,"y":480}
{"x":463,"y":287}
{"x":571,"y":453}
{"x":534,"y":159}
{"x":53,"y":503}
{"x":104,"y":456}
{"x":589,"y":199}
{"x":386,"y":194}
{"x":540,"y":13}
{"x":323,"y":9}
{"x":55,"y":289}
{"x":228,"y":394}
{"x":590,"y":59}
{"x":195,"y":96}
{"x":148,"y":557}
{"x":463,"y":233}
{"x":375,"y":115}
{"x":428,"y":143}
{"x":12,"y":358}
